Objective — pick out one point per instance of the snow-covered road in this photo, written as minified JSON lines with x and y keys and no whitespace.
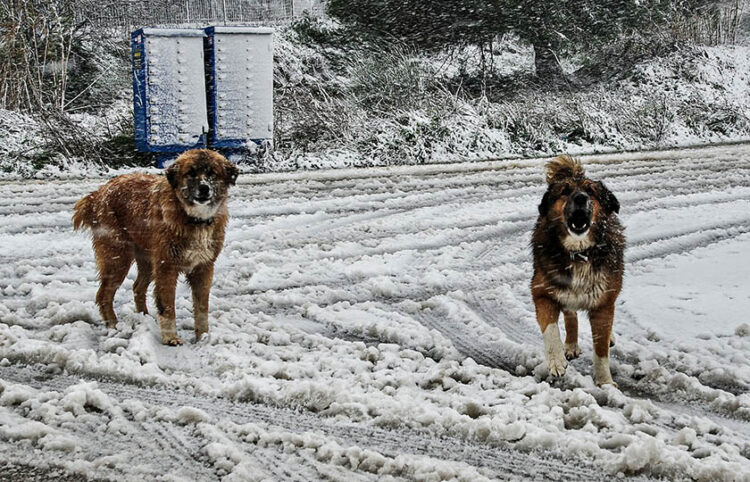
{"x":377,"y":323}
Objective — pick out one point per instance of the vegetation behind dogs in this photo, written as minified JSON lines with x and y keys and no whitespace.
{"x":347,"y":97}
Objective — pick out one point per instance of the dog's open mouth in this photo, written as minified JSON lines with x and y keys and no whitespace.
{"x":202,"y":200}
{"x":578,"y":222}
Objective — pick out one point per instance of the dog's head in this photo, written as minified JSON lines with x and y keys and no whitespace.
{"x":575,"y":204}
{"x":201,"y":180}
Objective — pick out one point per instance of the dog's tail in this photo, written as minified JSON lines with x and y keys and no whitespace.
{"x":563,"y":167}
{"x":83,"y":212}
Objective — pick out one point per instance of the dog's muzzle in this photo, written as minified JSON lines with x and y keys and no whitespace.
{"x":202,"y":193}
{"x":578,"y":213}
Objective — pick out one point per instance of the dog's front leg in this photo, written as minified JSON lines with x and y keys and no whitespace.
{"x":572,"y":350}
{"x":200,"y":282}
{"x":547,"y":314}
{"x":166,"y":284}
{"x":601,"y":329}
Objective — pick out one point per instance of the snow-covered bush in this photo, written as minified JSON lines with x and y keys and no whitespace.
{"x":340,"y":104}
{"x":64,"y":82}
{"x":342,"y":107}
{"x":390,"y":80}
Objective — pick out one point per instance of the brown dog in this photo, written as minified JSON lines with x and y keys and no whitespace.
{"x":169,"y":225}
{"x":578,"y":246}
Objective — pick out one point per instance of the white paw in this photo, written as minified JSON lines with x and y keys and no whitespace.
{"x":202,"y":337}
{"x":572,"y":350}
{"x":556,"y":364}
{"x":553,"y":350}
{"x":612,"y":339}
{"x":170,"y":339}
{"x":602,"y":375}
{"x":168,"y":329}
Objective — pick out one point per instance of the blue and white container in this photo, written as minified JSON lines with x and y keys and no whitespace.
{"x":239,"y":84}
{"x":169,"y":91}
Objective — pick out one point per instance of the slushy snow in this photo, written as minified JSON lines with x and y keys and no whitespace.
{"x":376,"y":324}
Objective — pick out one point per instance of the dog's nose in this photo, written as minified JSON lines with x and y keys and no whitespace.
{"x":203,"y":190}
{"x":580,"y":199}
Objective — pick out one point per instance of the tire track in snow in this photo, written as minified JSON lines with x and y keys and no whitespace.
{"x":381,"y":216}
{"x":468,"y":342}
{"x":646,"y":251}
{"x":494,"y":461}
{"x":495,"y":314}
{"x":509,"y":182}
{"x":685,"y":242}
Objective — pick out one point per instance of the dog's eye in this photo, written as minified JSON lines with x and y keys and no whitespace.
{"x":566,"y":191}
{"x":590,"y":190}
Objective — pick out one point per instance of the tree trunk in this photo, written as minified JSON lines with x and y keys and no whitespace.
{"x":545,"y":61}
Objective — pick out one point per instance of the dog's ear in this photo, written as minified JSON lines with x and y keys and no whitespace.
{"x":172,"y":174}
{"x":544,"y":205}
{"x":608,"y":200}
{"x":231,"y":172}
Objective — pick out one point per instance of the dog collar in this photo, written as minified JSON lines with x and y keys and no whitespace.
{"x":199,"y":221}
{"x":580,"y":255}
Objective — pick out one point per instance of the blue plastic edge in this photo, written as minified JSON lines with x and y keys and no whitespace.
{"x":140,"y":100}
{"x":209,"y":59}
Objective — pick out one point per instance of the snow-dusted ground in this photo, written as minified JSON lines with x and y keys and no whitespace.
{"x":376,"y":323}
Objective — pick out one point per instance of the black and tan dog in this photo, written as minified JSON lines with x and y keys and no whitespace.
{"x":169,"y":225}
{"x":578,"y":246}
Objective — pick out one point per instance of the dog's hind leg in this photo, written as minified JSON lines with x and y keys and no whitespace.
{"x":572,"y":350}
{"x":140,"y":287}
{"x":113,"y":260}
{"x":200,"y":282}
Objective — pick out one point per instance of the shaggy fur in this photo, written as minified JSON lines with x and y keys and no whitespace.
{"x":563,"y":167}
{"x":577,"y":246}
{"x":168,"y":225}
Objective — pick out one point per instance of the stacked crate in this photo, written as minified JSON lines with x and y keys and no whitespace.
{"x":202,"y":88}
{"x":169,"y":92}
{"x":239,"y":82}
